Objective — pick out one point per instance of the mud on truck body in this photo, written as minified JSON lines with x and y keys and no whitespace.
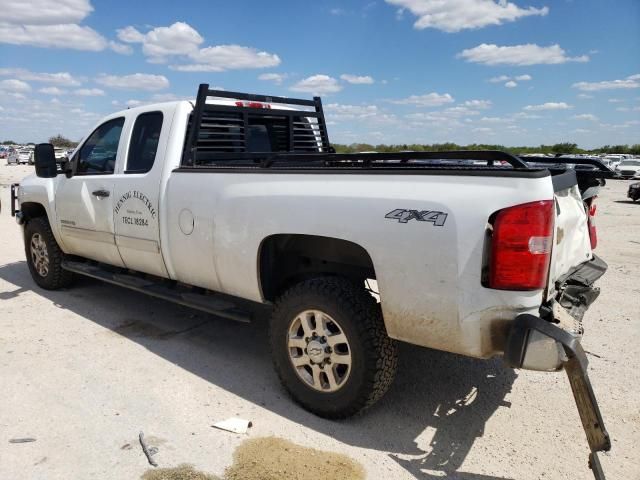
{"x":238,"y":205}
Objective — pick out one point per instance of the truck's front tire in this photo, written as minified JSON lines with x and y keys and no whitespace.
{"x":44,"y":255}
{"x":330,"y":348}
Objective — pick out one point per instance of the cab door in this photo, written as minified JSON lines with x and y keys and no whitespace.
{"x":84,"y":202}
{"x":137,"y":194}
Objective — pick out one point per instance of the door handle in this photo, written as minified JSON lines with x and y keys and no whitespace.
{"x":101,"y":193}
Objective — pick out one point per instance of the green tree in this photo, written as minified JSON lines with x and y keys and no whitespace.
{"x":60,"y":141}
{"x":565,"y":147}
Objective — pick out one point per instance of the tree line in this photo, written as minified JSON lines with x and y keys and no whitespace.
{"x":558,"y":148}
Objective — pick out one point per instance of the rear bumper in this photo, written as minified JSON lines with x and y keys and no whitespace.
{"x":525,"y":327}
{"x":552,"y":342}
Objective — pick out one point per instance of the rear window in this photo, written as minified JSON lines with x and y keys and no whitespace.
{"x":144,"y":142}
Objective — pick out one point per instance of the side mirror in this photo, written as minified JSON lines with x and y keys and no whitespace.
{"x":45,"y":161}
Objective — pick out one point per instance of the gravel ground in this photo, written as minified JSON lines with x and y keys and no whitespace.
{"x":84,"y":370}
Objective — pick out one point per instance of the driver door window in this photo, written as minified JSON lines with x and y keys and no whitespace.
{"x":98,"y":154}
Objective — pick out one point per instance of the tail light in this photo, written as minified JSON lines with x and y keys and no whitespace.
{"x":591,"y":221}
{"x":521,"y":246}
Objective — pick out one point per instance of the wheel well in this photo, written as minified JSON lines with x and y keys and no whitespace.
{"x":286,"y":259}
{"x":32,"y":210}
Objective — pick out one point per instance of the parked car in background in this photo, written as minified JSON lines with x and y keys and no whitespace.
{"x":634,"y":191}
{"x":613,"y":160}
{"x":24,"y":156}
{"x":629,"y":168}
{"x":12,"y":156}
{"x":60,"y":154}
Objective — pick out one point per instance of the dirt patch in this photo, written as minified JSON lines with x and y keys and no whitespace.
{"x":273,"y":458}
{"x":181,"y":472}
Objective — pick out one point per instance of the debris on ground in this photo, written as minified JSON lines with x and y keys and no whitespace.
{"x":149,"y":452}
{"x":273,"y":458}
{"x":22,"y":440}
{"x":234,"y":424}
{"x":181,"y":472}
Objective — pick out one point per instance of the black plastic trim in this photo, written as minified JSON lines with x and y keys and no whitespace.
{"x":564,"y":180}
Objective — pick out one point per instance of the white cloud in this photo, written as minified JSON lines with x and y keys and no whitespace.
{"x":456,"y":15}
{"x":584,"y":96}
{"x":89,"y":92}
{"x":276,"y":78}
{"x":356,"y":79}
{"x":495,"y":120}
{"x":136,"y":81}
{"x":45,"y":12}
{"x":317,"y":84}
{"x":130,"y":35}
{"x":548,"y":106}
{"x":500,"y":79}
{"x":510,"y":82}
{"x":60,"y":78}
{"x":53,"y":36}
{"x":615,"y":100}
{"x":632,"y":81}
{"x":51,"y":24}
{"x":586,"y":116}
{"x":162,"y":42}
{"x":14,"y":85}
{"x":480,"y":104}
{"x":181,"y":41}
{"x":485,"y":130}
{"x":53,"y":91}
{"x":120,"y":48}
{"x":134,"y":103}
{"x":228,"y":57}
{"x":339,"y":111}
{"x":528,"y":54}
{"x":458,"y":111}
{"x":427,"y":100}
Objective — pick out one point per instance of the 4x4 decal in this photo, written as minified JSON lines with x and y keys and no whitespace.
{"x":403,"y":216}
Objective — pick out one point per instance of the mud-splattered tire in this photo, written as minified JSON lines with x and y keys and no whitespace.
{"x":348,"y":312}
{"x":44,"y":256}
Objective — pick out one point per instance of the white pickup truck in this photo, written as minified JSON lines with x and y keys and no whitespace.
{"x":237,"y":204}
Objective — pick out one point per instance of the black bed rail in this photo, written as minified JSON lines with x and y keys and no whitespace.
{"x":364,"y":160}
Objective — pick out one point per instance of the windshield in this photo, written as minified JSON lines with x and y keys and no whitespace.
{"x":630,"y":163}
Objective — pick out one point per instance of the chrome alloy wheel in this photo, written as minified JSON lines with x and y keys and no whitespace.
{"x":39,"y":255}
{"x":319,"y":351}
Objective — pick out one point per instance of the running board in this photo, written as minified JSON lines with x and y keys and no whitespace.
{"x":214,"y":303}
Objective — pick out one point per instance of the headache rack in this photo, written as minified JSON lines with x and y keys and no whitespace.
{"x":256,"y":123}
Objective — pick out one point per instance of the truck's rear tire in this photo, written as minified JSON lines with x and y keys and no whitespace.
{"x":330,"y":348}
{"x":44,"y":255}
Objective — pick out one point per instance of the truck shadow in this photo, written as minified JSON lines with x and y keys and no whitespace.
{"x":429,"y":420}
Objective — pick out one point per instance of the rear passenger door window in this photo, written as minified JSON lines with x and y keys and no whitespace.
{"x":144,"y":142}
{"x":98,"y":154}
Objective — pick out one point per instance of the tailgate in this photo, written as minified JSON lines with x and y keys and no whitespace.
{"x":572,"y":244}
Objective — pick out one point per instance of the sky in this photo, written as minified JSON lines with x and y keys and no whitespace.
{"x":511,"y":72}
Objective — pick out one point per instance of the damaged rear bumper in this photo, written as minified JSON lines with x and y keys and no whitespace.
{"x":552,"y":342}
